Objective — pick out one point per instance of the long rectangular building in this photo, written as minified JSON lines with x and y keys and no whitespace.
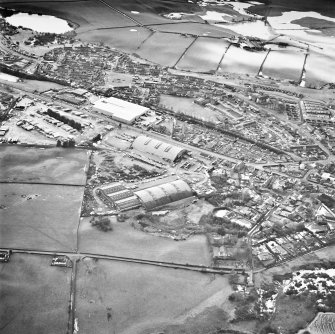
{"x":120,"y":110}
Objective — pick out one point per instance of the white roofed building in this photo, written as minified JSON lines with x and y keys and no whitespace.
{"x":120,"y":110}
{"x":158,"y":148}
{"x":164,"y":194}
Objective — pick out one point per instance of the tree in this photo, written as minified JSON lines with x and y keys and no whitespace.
{"x":102,"y":223}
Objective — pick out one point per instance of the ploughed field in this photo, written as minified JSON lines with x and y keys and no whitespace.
{"x":34,"y":296}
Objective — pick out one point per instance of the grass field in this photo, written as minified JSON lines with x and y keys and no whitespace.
{"x":126,"y":39}
{"x":292,"y":313}
{"x":124,"y":240}
{"x":87,"y":14}
{"x":204,"y":55}
{"x":114,"y":297}
{"x":167,"y":55}
{"x":320,"y":69}
{"x":51,"y":165}
{"x":34,"y":296}
{"x":40,"y":217}
{"x":277,"y":7}
{"x":187,"y":106}
{"x":198,"y":29}
{"x":284,"y":64}
{"x":237,"y":60}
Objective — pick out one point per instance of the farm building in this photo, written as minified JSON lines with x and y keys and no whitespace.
{"x":158,"y":148}
{"x":120,"y":110}
{"x":164,"y":194}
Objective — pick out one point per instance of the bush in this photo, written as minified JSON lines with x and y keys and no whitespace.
{"x":102,"y":223}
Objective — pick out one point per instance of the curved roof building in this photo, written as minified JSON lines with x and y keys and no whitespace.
{"x":164,"y":194}
{"x":158,"y":148}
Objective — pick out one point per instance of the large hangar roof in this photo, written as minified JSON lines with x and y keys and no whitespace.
{"x":120,"y":109}
{"x":164,"y":194}
{"x":156,"y":147}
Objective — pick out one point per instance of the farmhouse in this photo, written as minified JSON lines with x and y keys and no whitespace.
{"x":164,"y":194}
{"x":120,"y":110}
{"x":158,"y":148}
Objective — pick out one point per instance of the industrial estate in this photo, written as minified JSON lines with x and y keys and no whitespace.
{"x":167,"y":167}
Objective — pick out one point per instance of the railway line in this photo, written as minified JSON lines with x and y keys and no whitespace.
{"x":74,"y":256}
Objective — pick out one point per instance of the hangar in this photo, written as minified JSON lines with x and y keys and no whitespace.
{"x":120,"y":110}
{"x":158,"y":148}
{"x":164,"y":194}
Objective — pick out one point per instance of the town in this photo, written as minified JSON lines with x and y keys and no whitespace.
{"x":110,"y":162}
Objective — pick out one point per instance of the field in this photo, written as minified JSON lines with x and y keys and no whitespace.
{"x":198,"y":29}
{"x":88,"y":15}
{"x":32,"y":85}
{"x":187,"y":106}
{"x":34,"y":296}
{"x":204,"y":55}
{"x":52,"y":165}
{"x":126,"y":39}
{"x":237,"y":60}
{"x":284,"y":64}
{"x":324,"y":7}
{"x":125,"y":298}
{"x":125,"y":241}
{"x":40,"y":217}
{"x":293,"y":314}
{"x":167,"y":55}
{"x":320,"y":69}
{"x":327,"y":27}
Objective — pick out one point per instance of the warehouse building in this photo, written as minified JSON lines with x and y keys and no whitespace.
{"x":158,"y":148}
{"x":164,"y":194}
{"x":120,"y":110}
{"x":119,"y":196}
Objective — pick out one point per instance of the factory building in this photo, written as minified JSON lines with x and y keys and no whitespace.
{"x":158,"y":148}
{"x":120,"y":110}
{"x":119,"y":196}
{"x":164,"y":194}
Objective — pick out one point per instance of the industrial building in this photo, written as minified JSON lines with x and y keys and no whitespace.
{"x":164,"y":194}
{"x":120,"y":110}
{"x":158,"y":148}
{"x":125,"y":199}
{"x":119,"y":196}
